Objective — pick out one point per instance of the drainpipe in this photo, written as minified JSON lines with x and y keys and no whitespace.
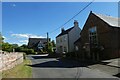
{"x":68,"y":41}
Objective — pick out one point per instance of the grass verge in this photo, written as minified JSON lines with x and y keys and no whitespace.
{"x":20,"y":71}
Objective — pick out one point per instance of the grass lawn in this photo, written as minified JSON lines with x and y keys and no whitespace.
{"x":20,"y":71}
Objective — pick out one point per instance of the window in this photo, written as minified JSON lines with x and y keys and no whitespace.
{"x":60,"y":39}
{"x":57,"y":41}
{"x":93,"y":35}
{"x":64,"y":38}
{"x":92,"y":30}
{"x":65,"y":49}
{"x":40,"y":45}
{"x":76,"y":48}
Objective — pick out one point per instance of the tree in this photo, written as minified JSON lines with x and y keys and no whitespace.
{"x":7,"y":47}
{"x":1,"y":41}
{"x":24,"y":46}
{"x":50,"y":47}
{"x":18,"y":49}
{"x":53,"y":43}
{"x":15,"y":45}
{"x":1,"y":37}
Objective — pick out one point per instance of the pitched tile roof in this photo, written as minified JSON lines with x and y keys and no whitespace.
{"x":65,"y":32}
{"x":34,"y":41}
{"x":112,"y":21}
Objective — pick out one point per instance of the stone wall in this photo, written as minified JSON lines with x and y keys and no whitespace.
{"x":10,"y":60}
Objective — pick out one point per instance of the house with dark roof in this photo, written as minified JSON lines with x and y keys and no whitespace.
{"x":65,"y":40}
{"x":37,"y":43}
{"x":100,"y":38}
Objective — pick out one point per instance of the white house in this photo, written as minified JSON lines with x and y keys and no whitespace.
{"x":65,"y":40}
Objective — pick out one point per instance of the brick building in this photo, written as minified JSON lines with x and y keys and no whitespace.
{"x":100,"y":38}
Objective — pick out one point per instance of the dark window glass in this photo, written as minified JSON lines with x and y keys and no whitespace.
{"x":93,"y":35}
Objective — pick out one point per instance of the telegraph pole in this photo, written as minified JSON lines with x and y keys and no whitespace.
{"x":47,"y":41}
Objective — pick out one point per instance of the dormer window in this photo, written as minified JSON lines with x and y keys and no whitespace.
{"x":40,"y":45}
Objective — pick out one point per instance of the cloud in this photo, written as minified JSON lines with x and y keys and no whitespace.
{"x":23,"y":38}
{"x":19,"y":41}
{"x":35,"y":36}
{"x":26,"y":36}
{"x":20,"y":35}
{"x":4,"y":37}
{"x":23,"y":41}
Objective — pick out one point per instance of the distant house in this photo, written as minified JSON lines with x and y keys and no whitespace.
{"x":100,"y":38}
{"x":65,"y":40}
{"x":37,"y":43}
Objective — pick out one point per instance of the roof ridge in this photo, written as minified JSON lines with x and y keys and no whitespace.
{"x":69,"y":28}
{"x":105,"y":15}
{"x":112,"y":21}
{"x":66,"y":31}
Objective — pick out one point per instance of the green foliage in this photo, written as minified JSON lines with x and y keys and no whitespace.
{"x":53,"y":43}
{"x":7,"y":47}
{"x":30,"y":51}
{"x":1,"y":37}
{"x":26,"y":50}
{"x":45,"y":49}
{"x":24,"y":46}
{"x":18,"y":49}
{"x":24,"y":56}
{"x":1,"y":40}
{"x":15,"y":45}
{"x":50,"y":47}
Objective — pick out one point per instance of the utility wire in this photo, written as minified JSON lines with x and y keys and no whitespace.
{"x":70,"y":18}
{"x":73,"y":16}
{"x":79,"y":71}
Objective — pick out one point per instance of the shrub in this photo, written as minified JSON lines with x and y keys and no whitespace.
{"x":24,"y":55}
{"x":25,"y":50}
{"x":29,"y":51}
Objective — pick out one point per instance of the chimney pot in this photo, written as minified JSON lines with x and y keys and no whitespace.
{"x":90,"y":11}
{"x":75,"y":23}
{"x":62,"y":30}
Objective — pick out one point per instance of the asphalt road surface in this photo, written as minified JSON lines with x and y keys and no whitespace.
{"x":44,"y":67}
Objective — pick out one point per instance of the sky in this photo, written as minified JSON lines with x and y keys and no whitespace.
{"x":21,"y":20}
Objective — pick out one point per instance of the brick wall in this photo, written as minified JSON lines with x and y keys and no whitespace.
{"x":107,"y":36}
{"x":10,"y":60}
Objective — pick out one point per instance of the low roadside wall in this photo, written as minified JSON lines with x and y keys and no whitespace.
{"x":10,"y":60}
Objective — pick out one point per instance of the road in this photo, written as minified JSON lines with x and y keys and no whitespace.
{"x":44,"y":67}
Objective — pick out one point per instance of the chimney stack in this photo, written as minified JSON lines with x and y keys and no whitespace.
{"x":62,"y":30}
{"x":75,"y":23}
